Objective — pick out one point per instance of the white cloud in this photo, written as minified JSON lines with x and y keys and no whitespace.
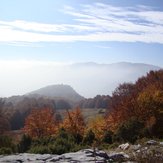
{"x":96,"y":22}
{"x":103,"y":47}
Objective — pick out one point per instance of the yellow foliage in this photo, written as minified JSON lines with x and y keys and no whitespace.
{"x":98,"y":126}
{"x":151,"y":101}
{"x":74,"y":122}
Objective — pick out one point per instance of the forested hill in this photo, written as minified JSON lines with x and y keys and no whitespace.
{"x":57,"y":91}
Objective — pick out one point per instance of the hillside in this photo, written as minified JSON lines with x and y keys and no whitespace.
{"x":57,"y":91}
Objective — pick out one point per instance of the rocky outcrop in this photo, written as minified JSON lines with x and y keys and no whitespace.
{"x":82,"y":156}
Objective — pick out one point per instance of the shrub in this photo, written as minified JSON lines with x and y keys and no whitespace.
{"x":5,"y":141}
{"x":108,"y":137}
{"x":5,"y":150}
{"x":43,"y":141}
{"x":24,"y":144}
{"x":89,"y":137}
{"x":6,"y":145}
{"x":42,"y":149}
{"x":129,"y":131}
{"x":64,"y":142}
{"x":41,"y":145}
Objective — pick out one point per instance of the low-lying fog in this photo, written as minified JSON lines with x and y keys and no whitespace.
{"x":88,"y":79}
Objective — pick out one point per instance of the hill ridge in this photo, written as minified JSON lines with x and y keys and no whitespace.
{"x":64,"y":91}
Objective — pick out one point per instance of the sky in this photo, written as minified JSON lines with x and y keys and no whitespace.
{"x":70,"y":31}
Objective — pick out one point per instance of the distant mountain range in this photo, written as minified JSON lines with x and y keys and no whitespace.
{"x":104,"y":78}
{"x":120,"y":66}
{"x":88,"y":79}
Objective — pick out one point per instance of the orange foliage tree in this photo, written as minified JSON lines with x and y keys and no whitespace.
{"x":122,"y":106}
{"x":40,"y":123}
{"x":74,"y":122}
{"x":151,"y":108}
{"x":143,"y":100}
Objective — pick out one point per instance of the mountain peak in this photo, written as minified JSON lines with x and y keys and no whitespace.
{"x":58,"y":91}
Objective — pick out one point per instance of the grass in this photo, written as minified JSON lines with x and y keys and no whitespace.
{"x":88,"y":113}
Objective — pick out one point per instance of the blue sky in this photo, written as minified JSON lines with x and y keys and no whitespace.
{"x":103,"y":31}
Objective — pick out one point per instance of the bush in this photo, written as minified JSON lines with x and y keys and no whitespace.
{"x":108,"y":137}
{"x":6,"y":145}
{"x":39,"y":149}
{"x":5,"y":141}
{"x":62,"y":143}
{"x":41,"y":145}
{"x":89,"y":138}
{"x":129,"y":131}
{"x":24,"y":144}
{"x":62,"y":146}
{"x":43,"y":141}
{"x":5,"y":151}
{"x":78,"y":138}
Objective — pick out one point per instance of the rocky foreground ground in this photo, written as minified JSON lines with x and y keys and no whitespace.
{"x":150,"y":152}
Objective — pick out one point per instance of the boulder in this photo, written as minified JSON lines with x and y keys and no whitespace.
{"x":151,"y":142}
{"x":161,"y":143}
{"x":124,"y":146}
{"x":118,"y":157}
{"x":135,"y":147}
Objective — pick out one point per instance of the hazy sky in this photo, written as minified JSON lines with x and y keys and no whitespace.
{"x":103,"y":31}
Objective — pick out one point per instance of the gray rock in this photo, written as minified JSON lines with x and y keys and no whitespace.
{"x":124,"y":146}
{"x":118,"y":157}
{"x":26,"y":157}
{"x":82,"y":156}
{"x":151,"y":142}
{"x":161,"y":143}
{"x":135,"y":147}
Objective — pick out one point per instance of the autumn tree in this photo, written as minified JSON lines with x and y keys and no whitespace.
{"x":25,"y":105}
{"x":40,"y":123}
{"x":143,"y":100}
{"x":122,"y":105}
{"x":74,"y":122}
{"x":151,"y":109}
{"x":98,"y":126}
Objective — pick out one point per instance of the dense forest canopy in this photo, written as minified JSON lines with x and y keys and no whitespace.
{"x":142,"y":101}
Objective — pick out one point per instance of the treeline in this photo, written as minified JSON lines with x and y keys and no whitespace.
{"x":14,"y":113}
{"x":100,"y":101}
{"x":16,"y":109}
